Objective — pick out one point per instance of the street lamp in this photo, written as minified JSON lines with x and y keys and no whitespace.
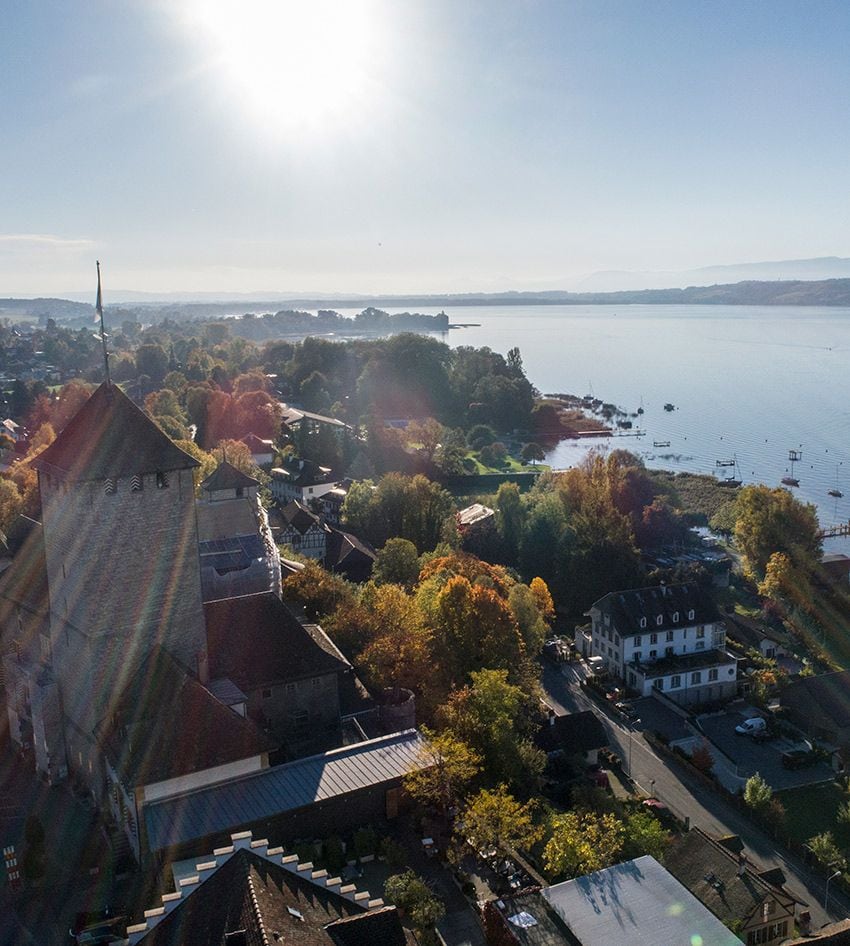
{"x":826,"y":895}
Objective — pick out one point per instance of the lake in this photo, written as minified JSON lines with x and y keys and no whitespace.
{"x":750,"y":382}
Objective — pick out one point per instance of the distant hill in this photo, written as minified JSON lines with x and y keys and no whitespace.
{"x":824,"y":292}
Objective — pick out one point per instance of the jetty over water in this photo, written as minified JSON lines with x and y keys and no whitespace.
{"x":834,"y":532}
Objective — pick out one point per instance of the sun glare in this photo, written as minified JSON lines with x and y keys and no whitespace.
{"x":296,"y":66}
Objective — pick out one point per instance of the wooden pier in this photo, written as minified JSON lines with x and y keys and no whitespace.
{"x":835,"y":532}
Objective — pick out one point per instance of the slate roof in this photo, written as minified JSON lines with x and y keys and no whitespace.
{"x":281,"y":788}
{"x":639,"y":903}
{"x":710,"y":872}
{"x":824,"y":700}
{"x":249,"y":893}
{"x":746,"y":631}
{"x":255,"y":640}
{"x":299,"y":517}
{"x":167,"y":724}
{"x":110,"y":437}
{"x":573,"y":733}
{"x":226,"y":476}
{"x":834,"y":934}
{"x":348,"y":555}
{"x":628,"y":607}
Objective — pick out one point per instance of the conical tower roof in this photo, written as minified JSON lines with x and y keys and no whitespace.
{"x":110,"y":437}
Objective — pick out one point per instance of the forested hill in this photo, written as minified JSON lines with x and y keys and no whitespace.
{"x":824,"y":292}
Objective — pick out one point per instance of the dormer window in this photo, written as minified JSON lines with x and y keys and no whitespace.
{"x":136,"y":483}
{"x":659,"y":620}
{"x":109,"y":486}
{"x":675,"y":617}
{"x":690,"y":615}
{"x":643,"y":622}
{"x":162,"y":481}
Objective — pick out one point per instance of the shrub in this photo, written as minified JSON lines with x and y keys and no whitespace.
{"x":333,"y":853}
{"x":393,"y":853}
{"x":365,"y":842}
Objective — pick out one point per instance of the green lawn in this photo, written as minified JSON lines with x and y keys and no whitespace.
{"x":810,"y":810}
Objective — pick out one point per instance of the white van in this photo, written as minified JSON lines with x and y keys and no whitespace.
{"x":752,"y":726}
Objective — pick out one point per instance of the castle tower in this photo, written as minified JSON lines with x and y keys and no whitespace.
{"x":121,"y":551}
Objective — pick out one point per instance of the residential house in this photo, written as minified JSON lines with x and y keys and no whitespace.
{"x":325,"y":794}
{"x":753,"y":635}
{"x":302,"y":530}
{"x":289,"y":672}
{"x":760,"y":911}
{"x":474,"y":516}
{"x":666,"y":638}
{"x":301,"y":480}
{"x":295,"y":417}
{"x":638,"y":903}
{"x":349,"y":556}
{"x":573,"y":734}
{"x":251,"y":893}
{"x":262,"y":451}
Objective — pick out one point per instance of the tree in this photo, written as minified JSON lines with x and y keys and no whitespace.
{"x":644,"y":834}
{"x":757,"y":793}
{"x":526,"y":612}
{"x":11,"y":503}
{"x":545,"y":605}
{"x":583,"y":842}
{"x":510,"y":518}
{"x":397,"y":563}
{"x":772,"y":520}
{"x":318,"y":591}
{"x":533,"y":453}
{"x":480,"y":435}
{"x":152,"y":360}
{"x":410,"y":893}
{"x":448,"y":767}
{"x":826,"y":851}
{"x":495,"y":820}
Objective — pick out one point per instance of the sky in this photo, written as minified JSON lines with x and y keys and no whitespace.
{"x":378,"y":146}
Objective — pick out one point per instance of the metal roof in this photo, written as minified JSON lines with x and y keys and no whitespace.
{"x":637,"y":902}
{"x":282,"y":788}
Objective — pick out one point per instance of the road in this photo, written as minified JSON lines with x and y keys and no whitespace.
{"x":688,"y":798}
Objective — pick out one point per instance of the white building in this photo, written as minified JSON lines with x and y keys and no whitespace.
{"x":668,"y":638}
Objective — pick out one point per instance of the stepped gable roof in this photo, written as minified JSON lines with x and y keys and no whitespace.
{"x":110,"y":437}
{"x":269,"y":903}
{"x":167,"y":724}
{"x":226,"y":476}
{"x":573,"y":733}
{"x":298,"y":516}
{"x":660,"y":601}
{"x":255,"y":640}
{"x":711,"y":873}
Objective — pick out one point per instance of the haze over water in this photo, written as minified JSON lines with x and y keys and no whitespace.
{"x":750,"y":381}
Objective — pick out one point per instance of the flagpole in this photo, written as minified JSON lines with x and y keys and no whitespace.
{"x":99,"y":310}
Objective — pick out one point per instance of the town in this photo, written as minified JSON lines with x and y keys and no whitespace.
{"x":301,"y":635}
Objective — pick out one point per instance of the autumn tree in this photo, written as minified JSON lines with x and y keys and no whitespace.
{"x":411,"y":894}
{"x":448,"y":766}
{"x":583,"y":842}
{"x":318,"y":591}
{"x":397,"y":563}
{"x":644,"y":834}
{"x":757,"y":793}
{"x":495,"y":820}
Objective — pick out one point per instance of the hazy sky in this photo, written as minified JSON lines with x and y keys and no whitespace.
{"x":415,"y":146}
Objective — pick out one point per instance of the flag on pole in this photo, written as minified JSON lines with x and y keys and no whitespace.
{"x":98,"y":306}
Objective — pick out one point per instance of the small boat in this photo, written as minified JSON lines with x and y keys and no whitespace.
{"x":734,"y":478}
{"x":790,"y":481}
{"x":660,"y":443}
{"x":640,"y":409}
{"x":794,"y":456}
{"x":835,"y":492}
{"x":669,"y":407}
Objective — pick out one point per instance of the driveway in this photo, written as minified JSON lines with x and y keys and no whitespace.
{"x":661,"y":719}
{"x":765,"y":758}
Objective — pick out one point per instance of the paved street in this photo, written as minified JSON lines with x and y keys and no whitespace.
{"x":687,"y":797}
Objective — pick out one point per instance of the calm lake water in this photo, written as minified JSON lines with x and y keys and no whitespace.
{"x":747,"y":381}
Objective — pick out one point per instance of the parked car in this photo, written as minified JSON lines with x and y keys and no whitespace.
{"x":750,"y":727}
{"x":627,"y":710}
{"x":798,"y":758}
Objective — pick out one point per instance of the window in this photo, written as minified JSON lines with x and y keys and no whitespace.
{"x":267,"y":694}
{"x":162,"y":481}
{"x":659,"y":620}
{"x":658,"y":684}
{"x":317,"y":683}
{"x":136,"y":483}
{"x":669,"y":651}
{"x":675,"y":617}
{"x":290,"y":689}
{"x":653,"y":638}
{"x":638,"y":640}
{"x":690,"y":615}
{"x":637,"y":656}
{"x":712,"y":675}
{"x":669,"y":636}
{"x":701,"y":630}
{"x":696,"y":677}
{"x":675,"y":681}
{"x":643,"y":622}
{"x":239,"y":491}
{"x":653,"y":654}
{"x":700,"y":645}
{"x":300,"y":719}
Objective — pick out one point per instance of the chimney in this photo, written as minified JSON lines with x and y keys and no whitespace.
{"x":203,"y":667}
{"x":742,"y":864}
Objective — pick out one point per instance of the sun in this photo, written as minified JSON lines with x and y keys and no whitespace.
{"x":295,"y":66}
